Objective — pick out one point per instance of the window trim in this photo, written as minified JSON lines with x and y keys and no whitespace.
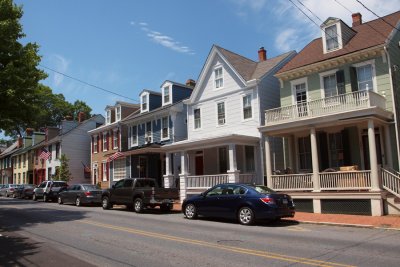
{"x":145,"y":95}
{"x":251,"y":106}
{"x":95,"y":144}
{"x":115,"y":138}
{"x":373,"y":71}
{"x":104,"y":171}
{"x":219,"y":78}
{"x":118,"y":108}
{"x":169,"y":87}
{"x":146,"y":131}
{"x":217,"y":112}
{"x":194,"y":119}
{"x":293,"y":84}
{"x":162,"y":129}
{"x":338,"y":34}
{"x":131,"y":135}
{"x":105,"y":141}
{"x":108,"y":116}
{"x":322,"y":75}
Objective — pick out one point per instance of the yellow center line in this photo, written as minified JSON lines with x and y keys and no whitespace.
{"x":259,"y":253}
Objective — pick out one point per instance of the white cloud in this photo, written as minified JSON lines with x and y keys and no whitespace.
{"x":164,"y":40}
{"x":60,"y":64}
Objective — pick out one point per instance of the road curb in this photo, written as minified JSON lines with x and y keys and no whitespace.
{"x":350,"y":225}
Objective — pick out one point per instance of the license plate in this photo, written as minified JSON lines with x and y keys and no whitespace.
{"x":284,"y":201}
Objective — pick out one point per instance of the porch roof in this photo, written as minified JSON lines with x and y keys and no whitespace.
{"x":153,"y":148}
{"x":211,"y":142}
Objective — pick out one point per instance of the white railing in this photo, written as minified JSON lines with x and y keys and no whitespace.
{"x":348,"y":180}
{"x":247,"y":178}
{"x":205,"y":181}
{"x":391,"y":182}
{"x":292,"y":182}
{"x":330,"y":105}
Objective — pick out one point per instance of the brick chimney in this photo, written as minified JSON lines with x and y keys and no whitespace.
{"x":356,"y":19}
{"x":191,"y":83}
{"x":81,"y":116}
{"x":262,"y":54}
{"x":20,"y":142}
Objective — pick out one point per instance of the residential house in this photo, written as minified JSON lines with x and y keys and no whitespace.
{"x":23,"y":158}
{"x":161,"y":121}
{"x":224,"y":113}
{"x":339,"y":119}
{"x":6,"y":164}
{"x":108,"y":139}
{"x":73,"y":141}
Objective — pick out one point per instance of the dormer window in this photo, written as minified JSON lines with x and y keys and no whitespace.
{"x":218,"y":76}
{"x":108,"y":116}
{"x":118,"y":113}
{"x":331,"y":38}
{"x":166,"y":95}
{"x":145,"y":102}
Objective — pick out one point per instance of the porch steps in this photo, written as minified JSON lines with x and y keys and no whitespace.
{"x":391,"y":204}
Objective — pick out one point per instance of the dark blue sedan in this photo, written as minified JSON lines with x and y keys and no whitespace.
{"x":239,"y":201}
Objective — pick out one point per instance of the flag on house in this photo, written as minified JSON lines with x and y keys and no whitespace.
{"x":45,"y":154}
{"x":115,"y":156}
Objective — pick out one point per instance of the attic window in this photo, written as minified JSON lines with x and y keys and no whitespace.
{"x":118,"y":113}
{"x":166,"y":95}
{"x":108,"y":116}
{"x":331,"y":38}
{"x":219,"y":80}
{"x":144,"y":100}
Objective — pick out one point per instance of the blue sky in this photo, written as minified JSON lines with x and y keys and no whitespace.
{"x":126,"y":46}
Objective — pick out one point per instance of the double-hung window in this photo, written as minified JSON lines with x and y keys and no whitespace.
{"x":247,"y":109}
{"x":364,"y":77}
{"x":108,"y":117}
{"x":331,"y":38}
{"x":95,"y":148}
{"x":166,"y":93}
{"x":197,"y":118}
{"x":336,"y":158}
{"x":105,"y":141}
{"x":219,"y":80}
{"x":134,"y":135}
{"x":104,"y":168}
{"x":165,"y":128}
{"x":304,"y":146}
{"x":221,"y":113}
{"x":115,"y":139}
{"x":148,"y":134}
{"x":118,"y":113}
{"x":144,"y":102}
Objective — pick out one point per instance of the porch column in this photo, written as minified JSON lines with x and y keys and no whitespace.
{"x":168,"y":177}
{"x":292,"y":160}
{"x":268,"y":165}
{"x":233,"y":171}
{"x":388,"y":147}
{"x":373,"y":157}
{"x":315,"y":163}
{"x":183,"y":176}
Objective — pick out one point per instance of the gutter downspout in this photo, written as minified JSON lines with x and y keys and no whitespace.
{"x":394,"y":106}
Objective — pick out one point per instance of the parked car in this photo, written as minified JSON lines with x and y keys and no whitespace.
{"x":243,"y":202}
{"x":8,"y":190}
{"x":3,"y":190}
{"x":24,"y":191}
{"x":80,"y":194}
{"x":138,"y":194}
{"x":48,"y":190}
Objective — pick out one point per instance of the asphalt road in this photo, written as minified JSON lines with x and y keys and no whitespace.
{"x":48,"y":234}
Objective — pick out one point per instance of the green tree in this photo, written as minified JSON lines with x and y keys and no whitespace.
{"x":80,"y":106}
{"x":19,"y":73}
{"x":63,"y":172}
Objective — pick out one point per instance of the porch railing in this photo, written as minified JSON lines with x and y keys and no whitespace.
{"x":292,"y":182}
{"x":329,"y":105}
{"x":205,"y":181}
{"x":391,"y":182}
{"x":348,"y":180}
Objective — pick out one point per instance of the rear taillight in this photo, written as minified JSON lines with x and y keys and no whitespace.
{"x":88,"y":193}
{"x":267,"y":200}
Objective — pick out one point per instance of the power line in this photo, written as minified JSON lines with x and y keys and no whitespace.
{"x":394,"y":27}
{"x":86,"y":83}
{"x":310,"y":10}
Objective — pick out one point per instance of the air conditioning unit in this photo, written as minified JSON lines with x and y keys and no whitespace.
{"x":148,"y":139}
{"x":221,"y":121}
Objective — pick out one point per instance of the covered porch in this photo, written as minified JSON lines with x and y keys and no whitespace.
{"x":207,"y":162}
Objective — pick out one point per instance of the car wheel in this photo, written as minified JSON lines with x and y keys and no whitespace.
{"x":138,"y":205}
{"x":78,"y":202}
{"x":246,"y":216}
{"x":34,"y":198}
{"x":190,"y":211}
{"x":59,"y":200}
{"x":105,"y":203}
{"x":45,"y":198}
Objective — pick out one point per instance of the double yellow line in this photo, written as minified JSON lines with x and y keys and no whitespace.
{"x":252,"y":252}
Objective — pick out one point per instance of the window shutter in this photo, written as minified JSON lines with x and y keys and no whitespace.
{"x":108,"y":140}
{"x":92,"y":144}
{"x":112,"y":139}
{"x":353,"y":79}
{"x":101,"y":172}
{"x":118,"y":137}
{"x":340,"y":82}
{"x":98,"y":143}
{"x":101,"y":142}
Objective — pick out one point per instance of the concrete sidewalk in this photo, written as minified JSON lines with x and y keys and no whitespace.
{"x":384,"y":222}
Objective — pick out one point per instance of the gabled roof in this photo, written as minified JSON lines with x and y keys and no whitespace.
{"x":9,"y":150}
{"x":369,"y":34}
{"x":150,"y":92}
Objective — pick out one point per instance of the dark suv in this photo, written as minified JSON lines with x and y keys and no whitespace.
{"x":48,"y":190}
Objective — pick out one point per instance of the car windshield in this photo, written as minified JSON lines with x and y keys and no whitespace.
{"x":91,"y":187}
{"x":262,"y":189}
{"x":59,"y":184}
